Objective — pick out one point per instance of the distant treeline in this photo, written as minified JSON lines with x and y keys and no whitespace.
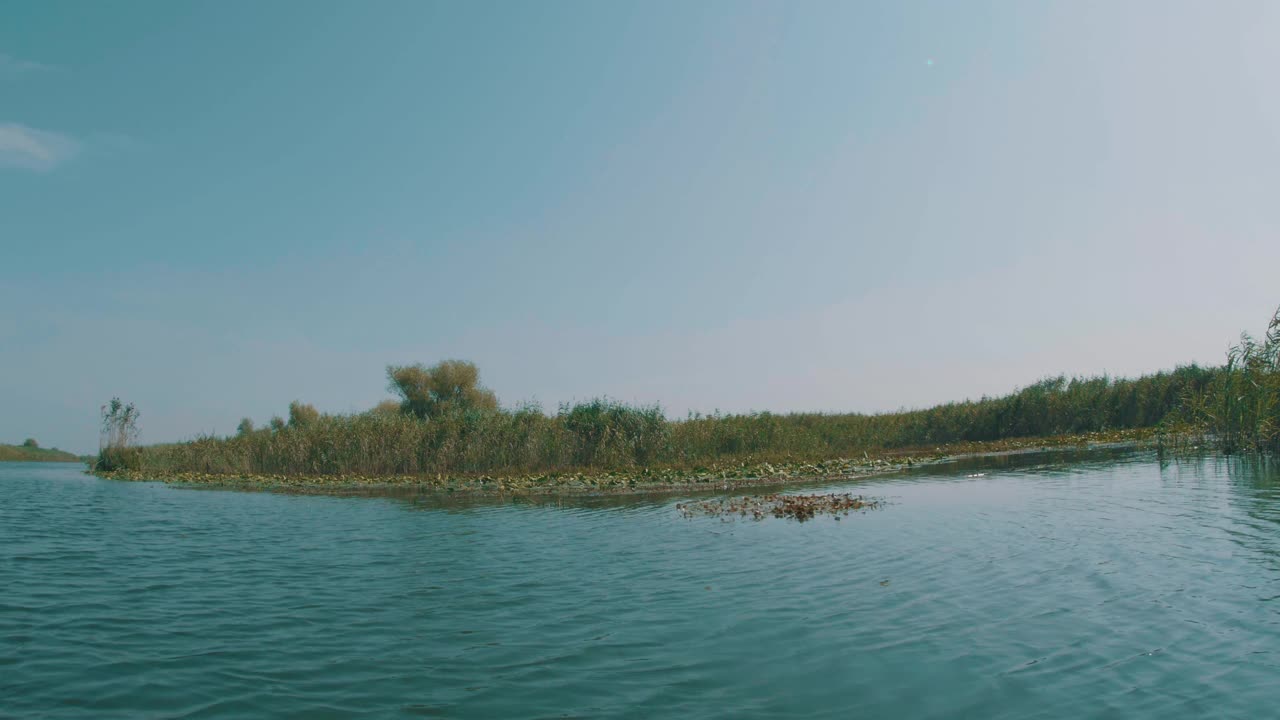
{"x":30,"y":451}
{"x":445,"y":422}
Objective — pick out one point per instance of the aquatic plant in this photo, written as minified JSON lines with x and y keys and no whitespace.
{"x":794,"y":507}
{"x":445,"y":423}
{"x":608,"y":433}
{"x":117,"y":442}
{"x":1240,"y":409}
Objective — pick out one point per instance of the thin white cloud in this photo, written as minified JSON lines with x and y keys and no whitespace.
{"x":10,"y":65}
{"x":32,"y":149}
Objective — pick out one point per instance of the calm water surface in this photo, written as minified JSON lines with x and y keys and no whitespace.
{"x":1054,"y":586}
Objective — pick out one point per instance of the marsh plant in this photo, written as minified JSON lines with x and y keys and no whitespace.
{"x":446,"y":422}
{"x":117,"y":441}
{"x":1240,"y":409}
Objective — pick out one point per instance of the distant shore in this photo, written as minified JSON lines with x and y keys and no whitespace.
{"x":22,"y":453}
{"x":719,"y":476}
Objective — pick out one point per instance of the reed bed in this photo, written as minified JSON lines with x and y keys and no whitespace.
{"x":603,"y":434}
{"x":1239,"y":409}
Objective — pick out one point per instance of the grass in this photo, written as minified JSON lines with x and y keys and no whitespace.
{"x":715,"y":475}
{"x":444,"y":439}
{"x":1239,"y":409}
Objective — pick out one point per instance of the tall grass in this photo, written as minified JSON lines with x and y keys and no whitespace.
{"x":1240,"y":408}
{"x":117,"y":441}
{"x":604,"y":434}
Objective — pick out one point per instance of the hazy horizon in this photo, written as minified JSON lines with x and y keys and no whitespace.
{"x":212,"y":210}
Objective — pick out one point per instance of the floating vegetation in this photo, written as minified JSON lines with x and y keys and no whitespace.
{"x":794,"y":507}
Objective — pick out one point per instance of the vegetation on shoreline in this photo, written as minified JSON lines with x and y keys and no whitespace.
{"x":1239,"y":409}
{"x":30,"y":451}
{"x":718,"y":475}
{"x":449,"y":431}
{"x":446,"y":424}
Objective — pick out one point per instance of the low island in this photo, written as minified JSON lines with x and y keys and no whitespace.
{"x":446,"y":432}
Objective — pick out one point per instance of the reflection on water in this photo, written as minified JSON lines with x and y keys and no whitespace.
{"x":1049,"y":585}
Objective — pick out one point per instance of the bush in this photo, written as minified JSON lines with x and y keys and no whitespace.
{"x":451,"y":386}
{"x":31,"y":443}
{"x":301,"y":414}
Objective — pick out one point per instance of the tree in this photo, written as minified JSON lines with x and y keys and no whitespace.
{"x":245,"y":427}
{"x":31,"y":443}
{"x":301,"y":414}
{"x":446,"y":387}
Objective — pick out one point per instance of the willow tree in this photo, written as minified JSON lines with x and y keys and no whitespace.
{"x":447,"y":387}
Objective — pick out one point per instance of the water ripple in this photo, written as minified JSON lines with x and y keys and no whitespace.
{"x":1049,"y":586}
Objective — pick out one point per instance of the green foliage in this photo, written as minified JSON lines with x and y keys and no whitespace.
{"x":451,"y":386}
{"x":276,"y":424}
{"x":446,"y":424}
{"x":1240,"y":408}
{"x":31,"y":443}
{"x":386,"y":407}
{"x":117,"y":449}
{"x":609,"y":434}
{"x":302,"y":414}
{"x":245,"y":427}
{"x":28,"y":453}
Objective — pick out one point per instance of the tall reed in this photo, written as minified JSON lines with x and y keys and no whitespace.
{"x":605,"y":434}
{"x":1240,"y":408}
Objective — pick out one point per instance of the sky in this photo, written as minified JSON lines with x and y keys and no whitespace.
{"x":212,"y":209}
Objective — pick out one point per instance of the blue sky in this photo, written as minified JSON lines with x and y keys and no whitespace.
{"x":212,"y":209}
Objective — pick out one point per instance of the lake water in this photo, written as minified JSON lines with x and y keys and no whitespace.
{"x":1053,"y":586}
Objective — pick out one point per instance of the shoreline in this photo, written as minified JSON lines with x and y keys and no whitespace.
{"x":722,"y":476}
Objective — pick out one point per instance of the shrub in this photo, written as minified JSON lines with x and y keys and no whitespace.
{"x":31,"y":443}
{"x":301,"y":414}
{"x":447,"y":387}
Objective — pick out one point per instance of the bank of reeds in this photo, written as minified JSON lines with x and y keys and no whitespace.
{"x":603,"y":434}
{"x":1239,"y":409}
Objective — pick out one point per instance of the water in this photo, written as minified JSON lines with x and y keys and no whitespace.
{"x":1054,"y":586}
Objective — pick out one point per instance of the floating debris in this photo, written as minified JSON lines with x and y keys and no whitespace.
{"x":795,"y":507}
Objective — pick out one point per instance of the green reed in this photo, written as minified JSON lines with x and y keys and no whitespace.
{"x":605,"y":434}
{"x":1240,"y":408}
